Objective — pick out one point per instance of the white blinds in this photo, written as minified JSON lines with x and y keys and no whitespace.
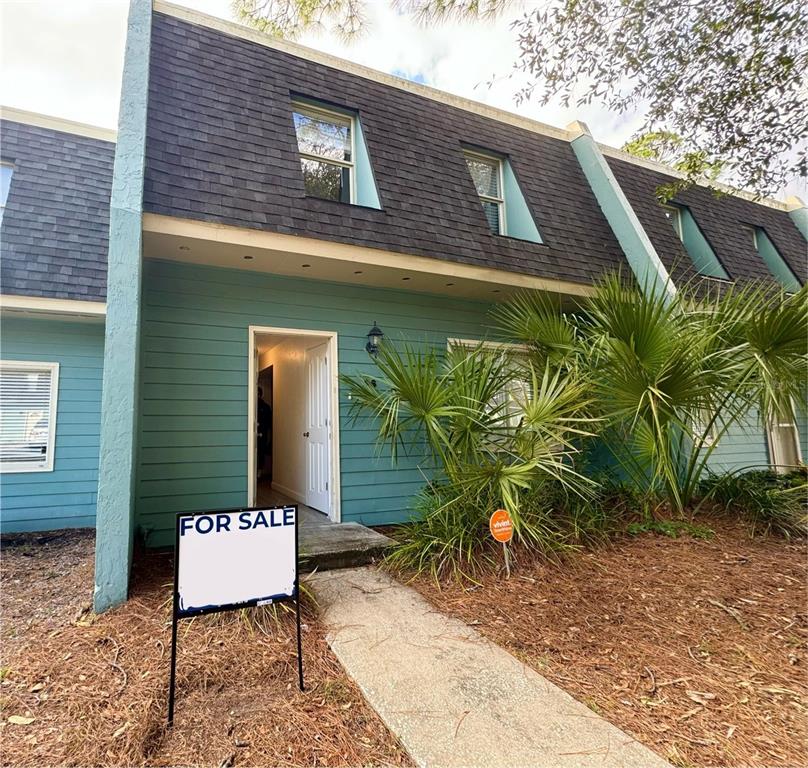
{"x":27,"y":415}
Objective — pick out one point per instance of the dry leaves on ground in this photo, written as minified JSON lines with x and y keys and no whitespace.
{"x":697,"y":648}
{"x":81,"y":689}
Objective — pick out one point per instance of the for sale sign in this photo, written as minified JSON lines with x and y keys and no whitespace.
{"x":235,"y":559}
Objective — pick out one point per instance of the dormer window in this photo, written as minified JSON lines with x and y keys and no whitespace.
{"x":695,"y":243}
{"x":504,"y":206}
{"x":334,"y":157}
{"x":325,"y":140}
{"x":486,"y":173}
{"x":674,"y":216}
{"x":774,"y":260}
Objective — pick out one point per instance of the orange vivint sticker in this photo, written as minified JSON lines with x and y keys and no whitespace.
{"x":501,"y":526}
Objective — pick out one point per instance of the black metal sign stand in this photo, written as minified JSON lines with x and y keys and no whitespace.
{"x":177,"y":614}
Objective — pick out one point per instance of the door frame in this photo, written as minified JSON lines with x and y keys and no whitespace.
{"x":330,"y":337}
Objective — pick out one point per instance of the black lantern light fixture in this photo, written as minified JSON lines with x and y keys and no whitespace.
{"x":375,"y":337}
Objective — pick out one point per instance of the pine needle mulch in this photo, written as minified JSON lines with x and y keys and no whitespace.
{"x":697,"y":648}
{"x":86,"y":690}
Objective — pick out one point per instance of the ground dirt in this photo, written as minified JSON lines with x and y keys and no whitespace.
{"x":697,"y":648}
{"x":84,"y":690}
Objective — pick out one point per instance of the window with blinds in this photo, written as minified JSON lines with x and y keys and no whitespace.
{"x":486,"y":173}
{"x":28,"y":393}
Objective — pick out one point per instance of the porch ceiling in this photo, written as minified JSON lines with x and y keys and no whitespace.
{"x":268,"y":252}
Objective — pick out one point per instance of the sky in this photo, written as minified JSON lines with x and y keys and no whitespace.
{"x":64,"y":58}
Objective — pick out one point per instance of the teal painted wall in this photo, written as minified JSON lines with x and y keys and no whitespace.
{"x":701,"y":253}
{"x":117,"y":457}
{"x":366,"y":193}
{"x":65,"y":497}
{"x":194,"y":378}
{"x":520,"y":223}
{"x":774,"y":261}
{"x":744,"y":446}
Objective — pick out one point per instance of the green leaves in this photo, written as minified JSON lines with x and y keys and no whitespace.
{"x":665,"y":376}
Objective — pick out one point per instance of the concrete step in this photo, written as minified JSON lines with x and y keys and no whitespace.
{"x":327,"y":546}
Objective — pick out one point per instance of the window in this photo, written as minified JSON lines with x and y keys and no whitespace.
{"x":6,"y":170}
{"x":753,"y":234}
{"x":784,"y":443}
{"x":516,"y":393}
{"x":486,"y":173}
{"x":326,"y":143}
{"x":773,"y":259}
{"x":674,"y":216}
{"x":27,"y":415}
{"x":696,"y":245}
{"x":700,"y":421}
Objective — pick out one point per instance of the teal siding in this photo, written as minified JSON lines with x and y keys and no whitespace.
{"x":65,"y":497}
{"x":774,"y":261}
{"x":193,"y":416}
{"x":697,"y":247}
{"x":744,"y":446}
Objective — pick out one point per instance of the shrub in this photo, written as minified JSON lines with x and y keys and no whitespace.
{"x":770,"y":503}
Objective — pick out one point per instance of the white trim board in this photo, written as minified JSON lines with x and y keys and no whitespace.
{"x":170,"y":233}
{"x":57,"y":124}
{"x":41,"y":305}
{"x":330,"y":337}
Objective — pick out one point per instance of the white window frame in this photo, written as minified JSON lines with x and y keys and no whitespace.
{"x":4,"y":202}
{"x":674,"y":215}
{"x":53,"y":368}
{"x":754,"y":236}
{"x":516,"y":412}
{"x":338,"y":118}
{"x":772,"y":440}
{"x":700,"y":421}
{"x":498,"y":201}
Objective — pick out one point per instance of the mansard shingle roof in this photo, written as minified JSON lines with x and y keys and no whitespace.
{"x":53,"y":241}
{"x":221,"y":147}
{"x":723,"y":219}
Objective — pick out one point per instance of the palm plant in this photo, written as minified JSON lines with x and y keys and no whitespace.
{"x":486,"y":430}
{"x":669,"y":375}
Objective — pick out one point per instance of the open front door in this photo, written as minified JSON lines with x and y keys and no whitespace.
{"x":318,"y":427}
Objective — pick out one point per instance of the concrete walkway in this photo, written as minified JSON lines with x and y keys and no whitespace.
{"x":452,"y":697}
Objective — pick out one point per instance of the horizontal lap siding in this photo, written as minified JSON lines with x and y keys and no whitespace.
{"x":743,"y":447}
{"x":65,"y":497}
{"x":194,"y":358}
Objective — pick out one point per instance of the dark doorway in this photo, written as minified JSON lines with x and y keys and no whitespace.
{"x":264,"y":441}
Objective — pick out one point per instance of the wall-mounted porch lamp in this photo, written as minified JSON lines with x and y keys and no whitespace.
{"x":375,"y":337}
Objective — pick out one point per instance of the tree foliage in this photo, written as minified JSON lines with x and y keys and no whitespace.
{"x":727,"y":77}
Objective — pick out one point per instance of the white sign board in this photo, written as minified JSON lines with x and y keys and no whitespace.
{"x":226,"y":559}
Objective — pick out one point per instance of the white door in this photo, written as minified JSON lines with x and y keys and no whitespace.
{"x":318,"y":428}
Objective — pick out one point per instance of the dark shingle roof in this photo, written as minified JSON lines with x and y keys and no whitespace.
{"x":721,"y":220}
{"x":53,"y":241}
{"x":221,"y":147}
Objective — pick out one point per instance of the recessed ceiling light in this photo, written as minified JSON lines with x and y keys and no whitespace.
{"x":248,"y":258}
{"x":305,"y":266}
{"x":184,"y":248}
{"x":358,"y":272}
